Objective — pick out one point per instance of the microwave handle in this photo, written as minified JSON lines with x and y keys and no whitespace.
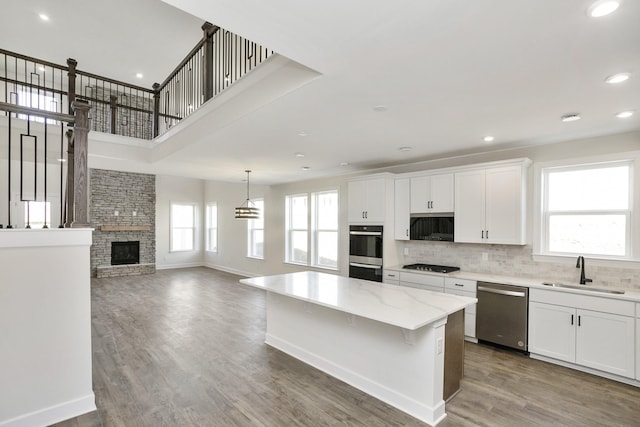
{"x":372,"y":267}
{"x":365,"y":233}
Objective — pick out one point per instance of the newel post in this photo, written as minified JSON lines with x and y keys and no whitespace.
{"x":207,"y":74}
{"x":156,"y":109}
{"x":71,"y":73}
{"x":80,"y":166}
{"x":68,"y":214}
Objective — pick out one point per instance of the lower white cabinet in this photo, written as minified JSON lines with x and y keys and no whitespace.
{"x":638,"y":341}
{"x":422,"y":281}
{"x":594,"y":339}
{"x":465,"y":288}
{"x":391,"y":277}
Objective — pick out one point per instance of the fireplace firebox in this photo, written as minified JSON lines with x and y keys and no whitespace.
{"x":125,"y":253}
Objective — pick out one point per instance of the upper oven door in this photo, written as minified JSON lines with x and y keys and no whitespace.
{"x":365,"y":241}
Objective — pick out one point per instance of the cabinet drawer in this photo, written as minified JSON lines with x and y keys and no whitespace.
{"x":472,"y":308}
{"x":422,"y":279}
{"x":392,"y":277}
{"x":434,"y":288}
{"x":586,"y":302}
{"x":460,"y":284}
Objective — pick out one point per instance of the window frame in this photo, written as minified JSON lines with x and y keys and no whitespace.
{"x":316,"y":230}
{"x":193,"y":228}
{"x":251,"y":231}
{"x":208,"y":247}
{"x":541,"y":213}
{"x":290,"y":231}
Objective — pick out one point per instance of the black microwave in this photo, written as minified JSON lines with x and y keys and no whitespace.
{"x":431,"y":228}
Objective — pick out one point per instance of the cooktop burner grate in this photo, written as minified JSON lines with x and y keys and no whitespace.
{"x":431,"y":267}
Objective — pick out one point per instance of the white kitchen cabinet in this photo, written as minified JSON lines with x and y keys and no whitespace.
{"x":638,"y":349}
{"x":401,"y":215}
{"x":490,"y":205}
{"x":429,"y":282}
{"x":391,"y":277}
{"x":367,"y":201}
{"x":465,"y":288}
{"x":432,"y":193}
{"x":570,"y":328}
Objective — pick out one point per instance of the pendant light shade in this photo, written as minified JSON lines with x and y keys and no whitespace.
{"x":246,"y":210}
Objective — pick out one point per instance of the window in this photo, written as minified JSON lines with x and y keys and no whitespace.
{"x":586,"y":210}
{"x":37,"y":214}
{"x":34,"y":99}
{"x":211,"y":243}
{"x":182,"y":227}
{"x":255,"y":232}
{"x":297,"y":224}
{"x":320,"y":247}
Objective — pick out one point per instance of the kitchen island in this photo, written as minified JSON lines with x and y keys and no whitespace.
{"x":385,"y":340}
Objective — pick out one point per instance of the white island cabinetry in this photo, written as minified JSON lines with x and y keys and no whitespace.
{"x":589,"y":331}
{"x":386,"y":340}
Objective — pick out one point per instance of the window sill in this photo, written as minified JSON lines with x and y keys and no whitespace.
{"x":181,"y":251}
{"x":602,"y":262}
{"x":255,"y":257}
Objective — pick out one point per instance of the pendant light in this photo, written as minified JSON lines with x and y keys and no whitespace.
{"x":246,"y":210}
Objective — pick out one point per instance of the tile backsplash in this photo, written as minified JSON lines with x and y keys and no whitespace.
{"x":517,"y":261}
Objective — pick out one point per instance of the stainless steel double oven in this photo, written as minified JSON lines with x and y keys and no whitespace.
{"x":365,"y":252}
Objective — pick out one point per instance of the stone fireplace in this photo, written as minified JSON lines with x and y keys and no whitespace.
{"x":122,"y":211}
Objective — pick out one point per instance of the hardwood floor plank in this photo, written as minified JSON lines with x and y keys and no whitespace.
{"x":186,"y":348}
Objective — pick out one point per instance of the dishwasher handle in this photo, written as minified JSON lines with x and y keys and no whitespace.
{"x":502,"y":292}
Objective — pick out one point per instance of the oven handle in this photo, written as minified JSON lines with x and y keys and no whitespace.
{"x":373,"y":267}
{"x":502,"y":292}
{"x":365,"y":233}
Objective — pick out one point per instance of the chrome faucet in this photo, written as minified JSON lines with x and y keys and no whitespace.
{"x":583,"y":280}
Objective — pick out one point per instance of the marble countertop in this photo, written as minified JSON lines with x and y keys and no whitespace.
{"x":629,"y":295}
{"x":407,"y":308}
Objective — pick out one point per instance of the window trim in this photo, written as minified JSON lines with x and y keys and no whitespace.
{"x":250,"y":229}
{"x":539,"y":203}
{"x":193,"y":229}
{"x":288,"y":231}
{"x":207,"y":242}
{"x":315,"y":230}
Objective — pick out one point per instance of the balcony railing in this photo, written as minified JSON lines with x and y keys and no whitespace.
{"x":218,"y":60}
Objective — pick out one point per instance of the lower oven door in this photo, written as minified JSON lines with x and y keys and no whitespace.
{"x":365,"y":271}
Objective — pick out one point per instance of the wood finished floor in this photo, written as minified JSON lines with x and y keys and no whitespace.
{"x":185,"y":348}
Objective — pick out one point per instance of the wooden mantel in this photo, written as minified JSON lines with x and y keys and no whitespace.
{"x":124,"y":228}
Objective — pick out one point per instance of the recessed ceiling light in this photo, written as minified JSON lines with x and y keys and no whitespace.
{"x":303,"y":134}
{"x":618,"y":78}
{"x":344,"y":164}
{"x":624,"y":114}
{"x":380,"y":108}
{"x":139,"y":75}
{"x":299,"y":154}
{"x":488,"y":138}
{"x":405,"y":148}
{"x":603,"y":8}
{"x":305,"y":168}
{"x":570,"y":117}
{"x":43,"y":17}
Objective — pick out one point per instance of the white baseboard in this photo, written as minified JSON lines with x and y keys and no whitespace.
{"x":229,"y":270}
{"x":591,"y":371}
{"x":53,"y":414}
{"x":182,"y":265}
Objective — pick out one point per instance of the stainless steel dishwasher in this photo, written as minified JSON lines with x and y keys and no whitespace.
{"x":502,"y":314}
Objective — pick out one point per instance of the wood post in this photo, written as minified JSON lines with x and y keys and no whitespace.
{"x":207,"y":75}
{"x":156,"y":109}
{"x":71,"y":73}
{"x":80,"y":166}
{"x":70,"y":192}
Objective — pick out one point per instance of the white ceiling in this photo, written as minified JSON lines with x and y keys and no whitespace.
{"x":449,"y":71}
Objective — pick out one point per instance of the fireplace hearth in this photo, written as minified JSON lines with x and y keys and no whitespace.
{"x":123,"y":253}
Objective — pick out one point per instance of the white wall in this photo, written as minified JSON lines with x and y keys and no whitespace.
{"x":172,"y":189}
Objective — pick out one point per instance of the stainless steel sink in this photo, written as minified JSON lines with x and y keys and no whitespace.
{"x":584,"y":288}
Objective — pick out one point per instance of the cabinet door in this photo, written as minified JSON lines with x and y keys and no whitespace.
{"x":504,"y":206}
{"x":638,"y":348}
{"x":469,"y":207}
{"x":552,"y":331}
{"x":441,"y":193}
{"x":376,"y":202}
{"x":606,"y":342}
{"x":357,"y":201}
{"x":401,"y":209}
{"x":420,"y":189}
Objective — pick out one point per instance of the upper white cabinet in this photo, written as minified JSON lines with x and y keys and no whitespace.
{"x":490,"y":205}
{"x":432,"y":194}
{"x":401,"y":209}
{"x":367,"y":201}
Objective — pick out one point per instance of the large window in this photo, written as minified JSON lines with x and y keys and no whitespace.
{"x":183,"y":220}
{"x":586,"y":210}
{"x":320,"y":247}
{"x":211,"y":244}
{"x":255,"y":232}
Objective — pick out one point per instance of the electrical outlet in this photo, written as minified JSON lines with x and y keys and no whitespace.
{"x":485,"y":256}
{"x":406,"y":251}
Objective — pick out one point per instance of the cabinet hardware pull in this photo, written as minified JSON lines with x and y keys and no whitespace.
{"x":482,"y":234}
{"x":579,"y":320}
{"x":366,"y":214}
{"x":487,"y":233}
{"x":572,"y":319}
{"x":407,"y":231}
{"x":458,"y":284}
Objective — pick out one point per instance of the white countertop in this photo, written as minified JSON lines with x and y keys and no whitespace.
{"x":629,"y":295}
{"x":408,"y":308}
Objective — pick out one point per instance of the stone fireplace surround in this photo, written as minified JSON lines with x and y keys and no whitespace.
{"x":133,"y":197}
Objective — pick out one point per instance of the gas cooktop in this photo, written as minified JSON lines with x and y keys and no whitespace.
{"x":431,"y":267}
